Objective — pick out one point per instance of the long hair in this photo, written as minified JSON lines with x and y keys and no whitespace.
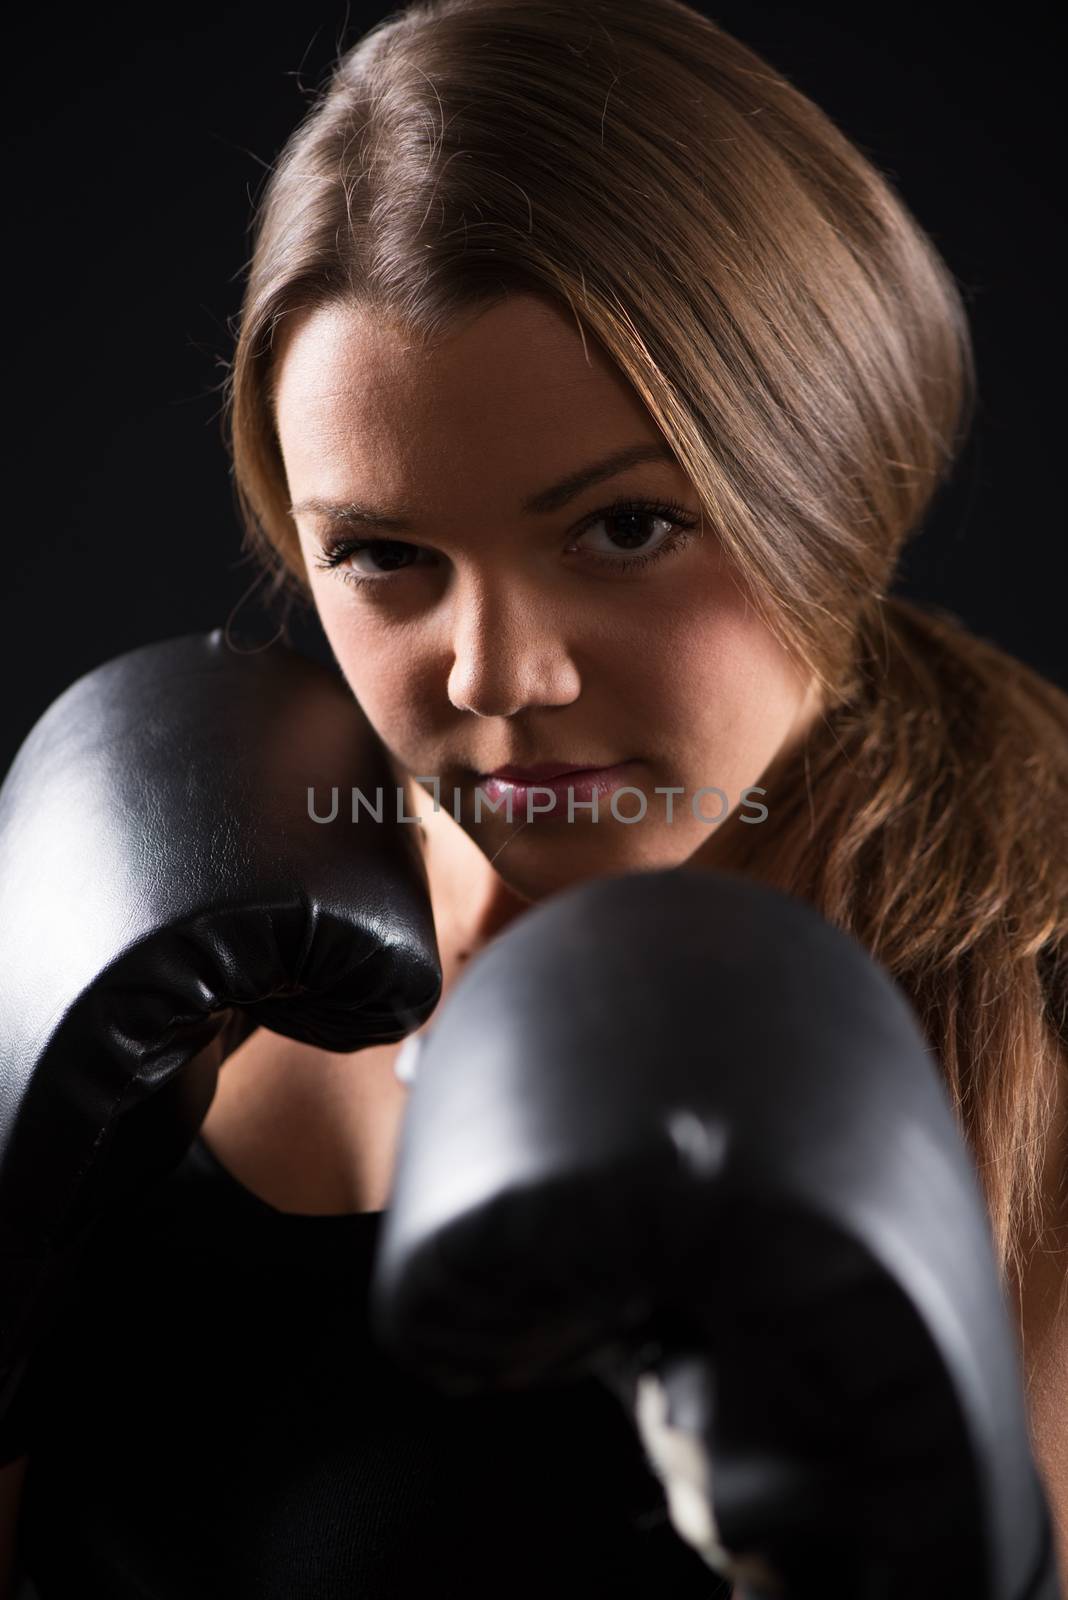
{"x":806,"y":352}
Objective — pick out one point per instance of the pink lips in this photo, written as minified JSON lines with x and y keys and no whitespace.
{"x":582,"y":783}
{"x":545,"y":769}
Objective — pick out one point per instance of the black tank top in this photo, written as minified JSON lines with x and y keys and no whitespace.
{"x":214,"y":1422}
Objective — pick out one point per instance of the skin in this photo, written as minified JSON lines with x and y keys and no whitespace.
{"x":500,"y":640}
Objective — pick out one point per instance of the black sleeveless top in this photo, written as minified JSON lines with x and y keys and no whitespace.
{"x":214,"y":1420}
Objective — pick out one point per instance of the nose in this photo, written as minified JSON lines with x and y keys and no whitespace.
{"x":508,"y":653}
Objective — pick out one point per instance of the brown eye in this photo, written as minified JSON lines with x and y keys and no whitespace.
{"x":628,"y":523}
{"x":384,"y":557}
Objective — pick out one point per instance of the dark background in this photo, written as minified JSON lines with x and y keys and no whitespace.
{"x":136,"y":144}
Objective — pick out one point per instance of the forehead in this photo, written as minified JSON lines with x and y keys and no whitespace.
{"x":514,"y":385}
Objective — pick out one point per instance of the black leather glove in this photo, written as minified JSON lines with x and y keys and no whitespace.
{"x":675,"y":1128}
{"x":164,"y":890}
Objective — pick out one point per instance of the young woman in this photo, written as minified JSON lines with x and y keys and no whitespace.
{"x":589,"y":384}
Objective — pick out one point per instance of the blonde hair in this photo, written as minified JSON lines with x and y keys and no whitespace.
{"x":802,"y":346}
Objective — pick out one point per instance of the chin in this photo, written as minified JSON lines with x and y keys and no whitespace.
{"x":534,"y":868}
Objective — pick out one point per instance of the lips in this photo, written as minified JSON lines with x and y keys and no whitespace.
{"x":544,"y":770}
{"x":574,"y":786}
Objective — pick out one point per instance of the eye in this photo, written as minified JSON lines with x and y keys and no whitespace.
{"x":381,"y":559}
{"x":384,"y":556}
{"x":627,"y":521}
{"x":384,"y":561}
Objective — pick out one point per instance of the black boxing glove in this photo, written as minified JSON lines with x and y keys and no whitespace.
{"x":164,"y":890}
{"x":675,"y":1128}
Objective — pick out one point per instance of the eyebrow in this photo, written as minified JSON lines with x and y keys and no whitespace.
{"x":551,"y":499}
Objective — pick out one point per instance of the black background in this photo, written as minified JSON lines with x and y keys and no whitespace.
{"x":137,"y":142}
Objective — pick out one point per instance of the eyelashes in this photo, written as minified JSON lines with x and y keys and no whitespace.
{"x":681,"y":530}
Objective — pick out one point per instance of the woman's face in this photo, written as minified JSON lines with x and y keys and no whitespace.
{"x":507,"y":614}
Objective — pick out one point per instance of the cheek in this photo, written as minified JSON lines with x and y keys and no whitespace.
{"x":726,"y":695}
{"x":758,"y":701}
{"x":695,"y":671}
{"x":386,"y":675}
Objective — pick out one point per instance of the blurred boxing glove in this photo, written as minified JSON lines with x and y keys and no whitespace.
{"x":677,"y":1129}
{"x":164,"y":890}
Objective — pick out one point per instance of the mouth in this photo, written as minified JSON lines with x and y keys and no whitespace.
{"x":546,"y":793}
{"x":545,"y":771}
